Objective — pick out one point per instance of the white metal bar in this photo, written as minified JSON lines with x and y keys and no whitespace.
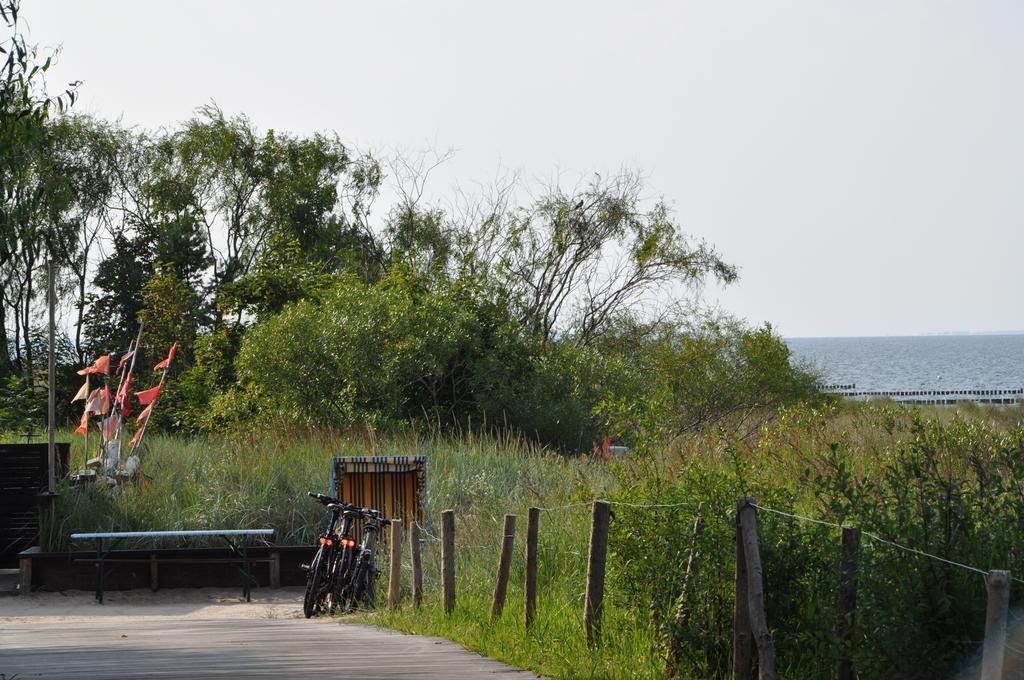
{"x":158,"y":534}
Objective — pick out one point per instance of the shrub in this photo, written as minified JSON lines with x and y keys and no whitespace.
{"x":403,"y":349}
{"x":949,"y":487}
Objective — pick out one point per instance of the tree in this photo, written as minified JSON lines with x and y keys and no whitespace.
{"x":86,"y":148}
{"x":157,"y":218}
{"x":573,"y":262}
{"x":25,"y":106}
{"x":686,"y":374}
{"x":170,"y":311}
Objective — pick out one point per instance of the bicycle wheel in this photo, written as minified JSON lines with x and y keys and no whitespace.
{"x":362,"y":589}
{"x":314,"y":586}
{"x":370,"y":587}
{"x":340,"y":579}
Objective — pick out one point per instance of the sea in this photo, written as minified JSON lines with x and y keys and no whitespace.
{"x":920,"y":362}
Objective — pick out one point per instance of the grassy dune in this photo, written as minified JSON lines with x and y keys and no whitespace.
{"x":945,"y":481}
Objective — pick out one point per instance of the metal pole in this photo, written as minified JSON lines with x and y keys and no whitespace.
{"x":51,"y":425}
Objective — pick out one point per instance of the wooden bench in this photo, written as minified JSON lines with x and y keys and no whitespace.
{"x":239,"y":552}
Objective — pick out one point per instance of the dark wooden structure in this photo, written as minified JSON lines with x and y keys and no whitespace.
{"x":23,"y":488}
{"x":153,"y":568}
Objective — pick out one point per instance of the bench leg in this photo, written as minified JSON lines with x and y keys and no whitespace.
{"x":25,"y":576}
{"x":154,"y":575}
{"x":99,"y":571}
{"x":275,"y":570}
{"x":245,"y":559}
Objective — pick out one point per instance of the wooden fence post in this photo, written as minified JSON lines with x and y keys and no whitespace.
{"x":532,"y":525}
{"x":755,"y":593}
{"x":395,"y":566}
{"x":504,"y":563}
{"x":848,"y":566}
{"x":995,"y":625}
{"x":448,"y":560}
{"x":417,"y":565}
{"x":593,"y":605}
{"x":742,"y":641}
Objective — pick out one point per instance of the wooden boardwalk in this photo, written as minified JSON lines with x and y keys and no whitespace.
{"x":177,"y":647}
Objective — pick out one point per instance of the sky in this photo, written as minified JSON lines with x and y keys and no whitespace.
{"x":862,"y":163}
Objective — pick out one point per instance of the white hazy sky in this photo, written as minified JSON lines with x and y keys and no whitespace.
{"x":861,"y":162}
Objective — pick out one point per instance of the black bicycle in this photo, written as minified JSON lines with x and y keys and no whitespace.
{"x":331,"y":567}
{"x":361,"y":586}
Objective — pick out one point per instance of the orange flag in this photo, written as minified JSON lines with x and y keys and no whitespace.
{"x":122,"y":393}
{"x":123,"y":397}
{"x":83,"y":427}
{"x":101,"y":366}
{"x":145,"y":412}
{"x":125,"y":358}
{"x":148,"y":396}
{"x":170,"y":357}
{"x":137,"y":437}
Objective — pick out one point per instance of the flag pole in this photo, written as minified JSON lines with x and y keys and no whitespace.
{"x":134,"y":348}
{"x":149,"y":415}
{"x":51,"y":419}
{"x":85,"y":460}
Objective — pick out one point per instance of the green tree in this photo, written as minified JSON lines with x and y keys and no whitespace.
{"x":170,"y":311}
{"x":158,"y":219}
{"x":25,"y":107}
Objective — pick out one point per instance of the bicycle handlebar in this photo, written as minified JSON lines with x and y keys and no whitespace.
{"x":369,"y":513}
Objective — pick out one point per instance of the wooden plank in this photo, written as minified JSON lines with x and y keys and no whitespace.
{"x":764,"y":642}
{"x":176,"y":647}
{"x":593,"y":603}
{"x":417,"y":565}
{"x":994,"y":649}
{"x":847,"y":601}
{"x":742,"y":639}
{"x":504,"y":562}
{"x":448,"y":560}
{"x":530,"y":589}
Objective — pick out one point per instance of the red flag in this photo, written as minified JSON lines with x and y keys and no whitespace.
{"x":83,"y":427}
{"x":102,"y":366}
{"x":122,"y":392}
{"x":122,"y":395}
{"x":170,"y":357}
{"x":138,"y":436}
{"x":148,"y":396}
{"x":125,"y":358}
{"x":145,"y":412}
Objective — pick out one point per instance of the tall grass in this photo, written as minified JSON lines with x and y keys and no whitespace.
{"x":482,"y":481}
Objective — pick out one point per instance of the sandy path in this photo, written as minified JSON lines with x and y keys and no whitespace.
{"x":183,"y":603}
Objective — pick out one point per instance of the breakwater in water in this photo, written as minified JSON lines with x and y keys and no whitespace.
{"x":939,"y":397}
{"x":985,"y":369}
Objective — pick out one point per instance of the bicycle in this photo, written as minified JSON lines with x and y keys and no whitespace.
{"x":361,"y":590}
{"x":331,"y":566}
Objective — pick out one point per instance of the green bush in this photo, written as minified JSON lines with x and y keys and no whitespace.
{"x":404,"y":349}
{"x":949,"y":487}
